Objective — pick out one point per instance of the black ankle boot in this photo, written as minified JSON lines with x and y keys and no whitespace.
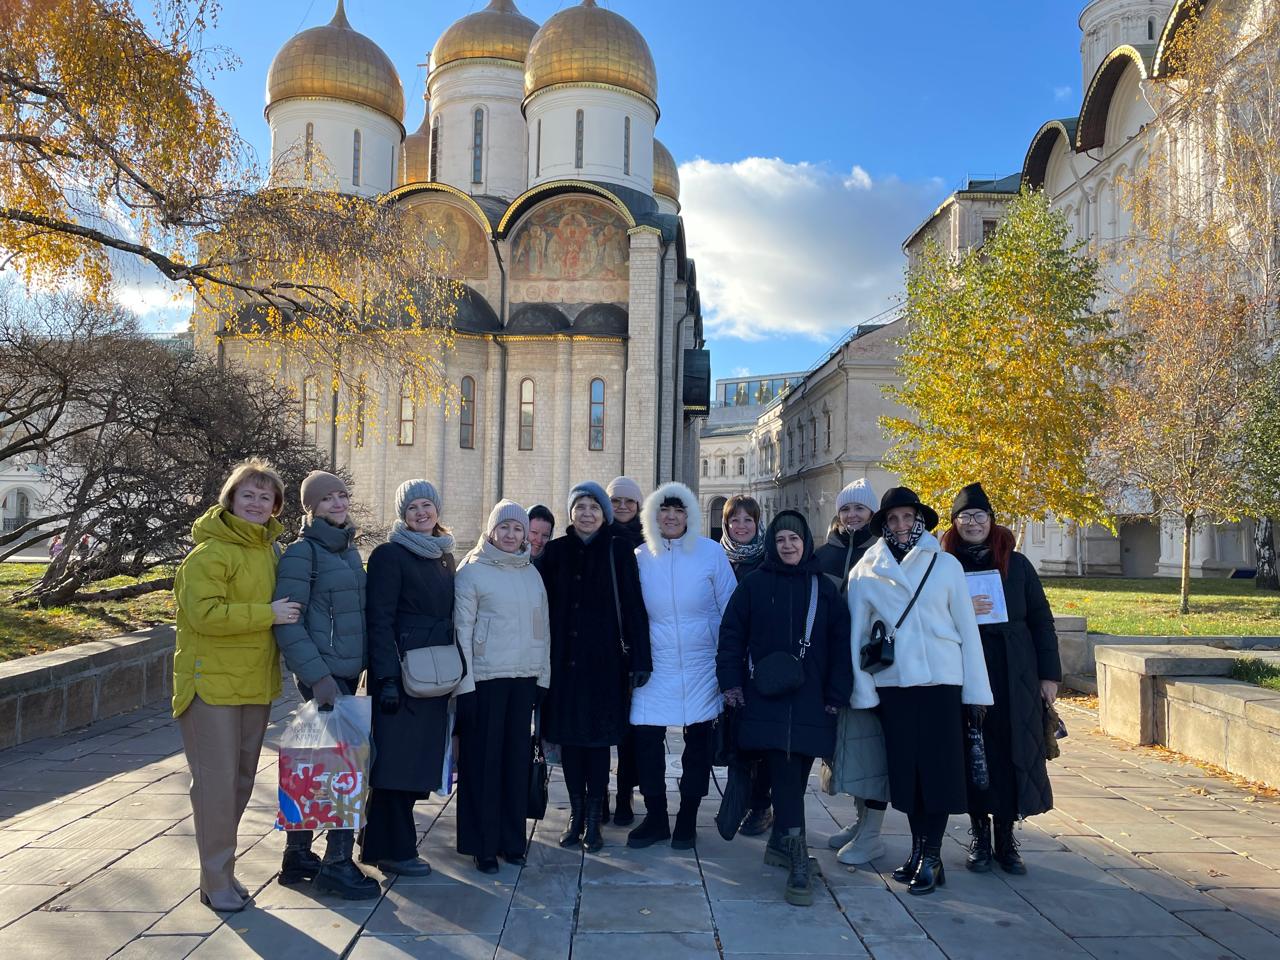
{"x":338,"y":872}
{"x":907,"y":872}
{"x":299,"y":864}
{"x":623,"y":815}
{"x":685,"y":835}
{"x":1006,"y":849}
{"x":592,"y":839}
{"x":979,"y":860}
{"x":774,"y":854}
{"x":930,"y":874}
{"x":572,"y":836}
{"x":654,"y":828}
{"x":799,"y":891}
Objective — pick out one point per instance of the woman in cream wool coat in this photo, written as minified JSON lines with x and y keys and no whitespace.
{"x":686,"y":581}
{"x":938,"y":666}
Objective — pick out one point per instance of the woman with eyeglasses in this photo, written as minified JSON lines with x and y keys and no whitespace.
{"x":1025,"y":670}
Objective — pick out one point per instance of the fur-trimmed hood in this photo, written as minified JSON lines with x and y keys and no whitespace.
{"x":649,"y":517}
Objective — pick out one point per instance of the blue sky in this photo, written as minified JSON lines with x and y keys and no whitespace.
{"x":813,"y":135}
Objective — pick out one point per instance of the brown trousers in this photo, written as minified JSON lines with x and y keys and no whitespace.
{"x":222,"y":744}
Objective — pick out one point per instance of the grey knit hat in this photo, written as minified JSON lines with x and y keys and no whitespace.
{"x":858,"y":492}
{"x":589,"y":488}
{"x":412,"y":490}
{"x":319,"y":485}
{"x":625,"y":487}
{"x":506,"y":510}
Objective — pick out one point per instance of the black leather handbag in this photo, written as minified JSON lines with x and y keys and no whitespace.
{"x":782,"y":672}
{"x":539,"y":775}
{"x":881,"y":649}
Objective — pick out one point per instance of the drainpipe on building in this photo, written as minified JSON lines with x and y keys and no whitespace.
{"x":622,"y":432}
{"x":502,"y":367}
{"x":677,"y":390}
{"x":662,"y":322}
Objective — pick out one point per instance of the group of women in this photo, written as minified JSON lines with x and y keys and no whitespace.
{"x":626,"y":625}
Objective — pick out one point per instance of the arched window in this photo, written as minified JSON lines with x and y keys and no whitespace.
{"x":722,"y":467}
{"x":408,"y":413}
{"x":828,"y":430}
{"x":578,"y":134}
{"x":800,"y":440}
{"x":526,"y":414}
{"x":813,"y":437}
{"x":537,"y":153}
{"x":742,"y":466}
{"x":595,"y":440}
{"x":1151,"y":28}
{"x":355,"y":159}
{"x":704,"y":468}
{"x":467,"y":415}
{"x":433,"y":174}
{"x":308,"y":148}
{"x":477,"y":146}
{"x":626,"y":146}
{"x":311,"y":410}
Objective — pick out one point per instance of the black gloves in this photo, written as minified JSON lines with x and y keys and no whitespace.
{"x":389,"y":697}
{"x":639,"y":678}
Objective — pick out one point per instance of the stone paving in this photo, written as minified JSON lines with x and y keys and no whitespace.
{"x":1144,"y":858}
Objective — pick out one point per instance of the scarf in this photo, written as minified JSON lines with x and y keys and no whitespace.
{"x":900,"y":550}
{"x":978,"y":555}
{"x":421,"y":544}
{"x":748,"y":552}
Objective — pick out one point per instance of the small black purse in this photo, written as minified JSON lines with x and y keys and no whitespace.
{"x":780,"y":673}
{"x":880,"y":650}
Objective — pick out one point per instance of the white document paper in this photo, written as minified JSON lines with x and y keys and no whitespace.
{"x":987,"y":583}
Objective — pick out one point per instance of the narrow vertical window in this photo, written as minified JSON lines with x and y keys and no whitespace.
{"x":742,"y":466}
{"x":704,"y":468}
{"x":626,"y":146}
{"x":355,"y":159}
{"x":1151,"y":28}
{"x":828,"y":431}
{"x":537,"y":153}
{"x":813,"y":437}
{"x":433,"y":173}
{"x":477,"y":146}
{"x":311,"y":410}
{"x":408,"y":413}
{"x":467,"y":416}
{"x":722,"y":467}
{"x":526,"y":414}
{"x":595,"y":440}
{"x":578,"y":132}
{"x":362,"y":392}
{"x":308,"y":149}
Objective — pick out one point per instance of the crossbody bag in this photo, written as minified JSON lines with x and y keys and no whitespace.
{"x":780,"y":673}
{"x":879,"y":651}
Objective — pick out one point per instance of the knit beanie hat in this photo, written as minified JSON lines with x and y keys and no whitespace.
{"x":412,"y":490}
{"x":589,"y":488}
{"x":858,"y":492}
{"x":506,"y":510}
{"x":625,"y":487}
{"x":319,"y":485}
{"x":972,"y":497}
{"x":789,"y":521}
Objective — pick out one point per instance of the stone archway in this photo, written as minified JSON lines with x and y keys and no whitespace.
{"x":715,"y":513}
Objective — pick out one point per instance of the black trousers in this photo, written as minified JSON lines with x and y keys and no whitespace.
{"x":760,"y":782}
{"x":789,"y":774}
{"x":651,"y":763}
{"x":493,"y":769}
{"x":628,"y":776}
{"x":586,"y":770}
{"x":390,"y":833}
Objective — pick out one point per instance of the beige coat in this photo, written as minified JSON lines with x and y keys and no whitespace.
{"x":500,"y":612}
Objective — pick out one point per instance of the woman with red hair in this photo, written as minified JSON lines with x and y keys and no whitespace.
{"x":1024,"y":669}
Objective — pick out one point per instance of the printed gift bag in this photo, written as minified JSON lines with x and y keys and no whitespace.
{"x":324,"y":767}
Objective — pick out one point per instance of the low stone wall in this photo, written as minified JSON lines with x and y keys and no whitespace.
{"x":1182,"y":696}
{"x":49,"y":693}
{"x":1078,"y":649}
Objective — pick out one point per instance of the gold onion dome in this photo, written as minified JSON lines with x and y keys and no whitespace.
{"x":415,"y":161}
{"x":499,"y":32}
{"x":336,"y":62}
{"x":666,"y":176}
{"x":587,"y":44}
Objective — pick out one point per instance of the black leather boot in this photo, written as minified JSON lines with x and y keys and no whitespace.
{"x":654,"y":828}
{"x":1006,"y":849}
{"x":685,"y":835}
{"x":592,"y":838}
{"x":799,"y":892}
{"x":979,"y":860}
{"x":756,"y":822}
{"x":930,"y":874}
{"x":572,"y":836}
{"x":907,"y":872}
{"x":338,"y":872}
{"x":299,"y":864}
{"x":623,"y":815}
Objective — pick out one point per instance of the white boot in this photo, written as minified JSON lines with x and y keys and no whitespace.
{"x":866,"y":844}
{"x":840,"y":839}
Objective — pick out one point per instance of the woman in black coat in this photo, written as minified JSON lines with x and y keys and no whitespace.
{"x":769,"y":614}
{"x":409,"y":604}
{"x":1025,"y":670}
{"x":599,"y":649}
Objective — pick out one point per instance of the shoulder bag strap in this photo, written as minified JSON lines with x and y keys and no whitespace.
{"x":916,"y":595}
{"x":617,"y":603}
{"x":810,"y":616}
{"x":315,"y":563}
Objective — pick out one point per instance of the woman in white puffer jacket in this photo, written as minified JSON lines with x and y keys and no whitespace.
{"x":687,"y":582}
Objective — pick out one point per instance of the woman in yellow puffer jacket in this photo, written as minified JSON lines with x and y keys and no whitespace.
{"x":226,"y":669}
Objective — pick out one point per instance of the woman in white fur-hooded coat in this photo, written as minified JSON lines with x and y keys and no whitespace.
{"x":687,"y":583}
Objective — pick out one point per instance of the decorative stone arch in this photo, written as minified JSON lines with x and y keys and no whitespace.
{"x":715,"y":517}
{"x":461,"y":225}
{"x":18,"y":505}
{"x":1091,"y":133}
{"x":410,"y":189}
{"x":545,"y":191}
{"x":1179,"y":17}
{"x":1036,"y":165}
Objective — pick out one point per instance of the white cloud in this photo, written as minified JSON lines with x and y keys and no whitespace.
{"x":741,"y":372}
{"x":1062,"y":93}
{"x":796,"y":248}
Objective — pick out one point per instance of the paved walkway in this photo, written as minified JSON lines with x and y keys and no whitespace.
{"x":1142,"y":859}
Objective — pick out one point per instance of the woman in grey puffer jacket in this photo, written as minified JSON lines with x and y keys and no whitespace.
{"x":325,"y":649}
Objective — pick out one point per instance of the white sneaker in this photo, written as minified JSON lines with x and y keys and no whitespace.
{"x":866,"y":844}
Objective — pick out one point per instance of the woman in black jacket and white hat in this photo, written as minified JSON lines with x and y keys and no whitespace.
{"x":769,"y":614}
{"x":937,"y":667}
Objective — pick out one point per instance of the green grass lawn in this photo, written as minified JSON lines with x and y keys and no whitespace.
{"x":1253,"y":670}
{"x":28,"y":629}
{"x":1150,"y":607}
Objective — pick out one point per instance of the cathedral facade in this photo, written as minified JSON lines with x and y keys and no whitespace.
{"x":536,"y":164}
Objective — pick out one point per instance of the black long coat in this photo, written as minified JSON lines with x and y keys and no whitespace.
{"x":1019,"y":655}
{"x":589,"y":699}
{"x":837,"y":556}
{"x":409,"y":604}
{"x":767,"y":613}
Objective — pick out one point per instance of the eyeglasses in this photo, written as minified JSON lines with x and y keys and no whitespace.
{"x":973,"y":516}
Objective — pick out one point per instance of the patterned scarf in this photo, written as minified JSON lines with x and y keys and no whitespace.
{"x":744,"y":552}
{"x":900,"y":550}
{"x":422,"y":544}
{"x":979,"y":554}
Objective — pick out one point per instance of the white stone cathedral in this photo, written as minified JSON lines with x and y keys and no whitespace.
{"x":536,"y":161}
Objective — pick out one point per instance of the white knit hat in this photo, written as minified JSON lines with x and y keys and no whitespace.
{"x":625,"y":487}
{"x":507,"y":510}
{"x":858,"y":492}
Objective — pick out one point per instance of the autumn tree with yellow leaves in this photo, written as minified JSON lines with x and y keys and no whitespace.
{"x":1001,"y":366}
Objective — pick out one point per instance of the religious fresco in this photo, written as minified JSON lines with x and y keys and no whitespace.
{"x":459,"y":233}
{"x":573,"y":239}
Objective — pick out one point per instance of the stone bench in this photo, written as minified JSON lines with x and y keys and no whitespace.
{"x":50,"y":693}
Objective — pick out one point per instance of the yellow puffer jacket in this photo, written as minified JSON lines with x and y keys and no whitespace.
{"x":226,"y":653}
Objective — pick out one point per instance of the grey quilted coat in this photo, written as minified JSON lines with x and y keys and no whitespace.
{"x":322,"y":571}
{"x":859,"y":767}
